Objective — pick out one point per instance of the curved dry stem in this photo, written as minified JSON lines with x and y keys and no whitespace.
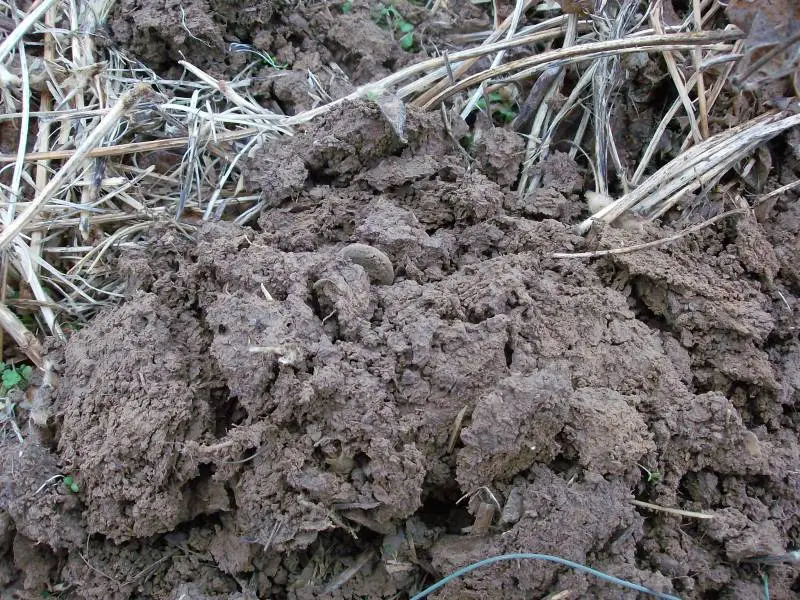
{"x":529,"y":65}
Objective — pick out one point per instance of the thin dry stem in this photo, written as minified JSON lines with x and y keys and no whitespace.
{"x":232,"y":95}
{"x":672,"y":511}
{"x":656,"y":20}
{"x":539,"y":62}
{"x":777,"y":192}
{"x":26,"y":341}
{"x":694,"y":167}
{"x":654,"y":243}
{"x":133,"y":147}
{"x":655,"y":139}
{"x":43,"y":135}
{"x":536,"y":142}
{"x":37,"y":12}
{"x":120,"y":108}
{"x":519,"y":8}
{"x":697,"y":55}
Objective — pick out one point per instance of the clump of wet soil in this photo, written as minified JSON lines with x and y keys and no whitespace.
{"x":342,"y":43}
{"x":261,"y":418}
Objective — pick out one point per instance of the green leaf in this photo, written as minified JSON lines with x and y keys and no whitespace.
{"x":507,"y":114}
{"x":386,"y":13}
{"x":407,"y":41}
{"x":495,"y":97}
{"x":68,"y":481}
{"x":74,"y":488}
{"x":405,"y":27}
{"x":26,"y":371}
{"x":347,"y":7}
{"x":11,"y":378}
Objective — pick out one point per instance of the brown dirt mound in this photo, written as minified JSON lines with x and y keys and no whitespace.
{"x":261,"y":418}
{"x":348,"y":46}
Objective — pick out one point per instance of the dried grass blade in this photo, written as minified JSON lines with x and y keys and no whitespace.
{"x":20,"y":30}
{"x":26,"y":341}
{"x":539,"y":62}
{"x":95,"y":136}
{"x":708,"y":158}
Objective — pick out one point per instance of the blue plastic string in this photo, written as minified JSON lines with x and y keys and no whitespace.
{"x":555,"y":559}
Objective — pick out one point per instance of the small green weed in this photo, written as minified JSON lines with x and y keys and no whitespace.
{"x":69,"y":482}
{"x":71,"y":327}
{"x":14,"y":377}
{"x":500,"y":106}
{"x":29,"y":320}
{"x":653,"y":476}
{"x":390,"y":18}
{"x":347,"y":7}
{"x":266,"y":57}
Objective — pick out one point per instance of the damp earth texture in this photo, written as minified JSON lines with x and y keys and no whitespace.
{"x":387,"y":376}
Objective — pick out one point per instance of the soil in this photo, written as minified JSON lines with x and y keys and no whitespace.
{"x":266,"y":417}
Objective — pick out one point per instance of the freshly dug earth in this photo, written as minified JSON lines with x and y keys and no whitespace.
{"x":264,"y":417}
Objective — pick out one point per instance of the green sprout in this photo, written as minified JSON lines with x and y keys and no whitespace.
{"x":373,"y":95}
{"x":69,"y":482}
{"x":347,"y":7}
{"x":266,"y":57}
{"x":499,"y":107}
{"x":71,"y":327}
{"x":653,"y":476}
{"x":390,"y":18}
{"x":14,"y":377}
{"x":467,"y":141}
{"x":29,"y":320}
{"x":407,"y":40}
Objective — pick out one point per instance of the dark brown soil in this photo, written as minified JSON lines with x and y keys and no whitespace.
{"x":262,"y":419}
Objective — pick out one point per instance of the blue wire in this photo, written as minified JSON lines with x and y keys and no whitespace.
{"x":562,"y":561}
{"x":765,"y":578}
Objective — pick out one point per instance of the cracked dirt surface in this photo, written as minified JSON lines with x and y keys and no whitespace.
{"x":259,"y":416}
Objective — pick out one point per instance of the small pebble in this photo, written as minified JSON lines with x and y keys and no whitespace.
{"x":513,"y":509}
{"x":751,"y":444}
{"x":377,"y":265}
